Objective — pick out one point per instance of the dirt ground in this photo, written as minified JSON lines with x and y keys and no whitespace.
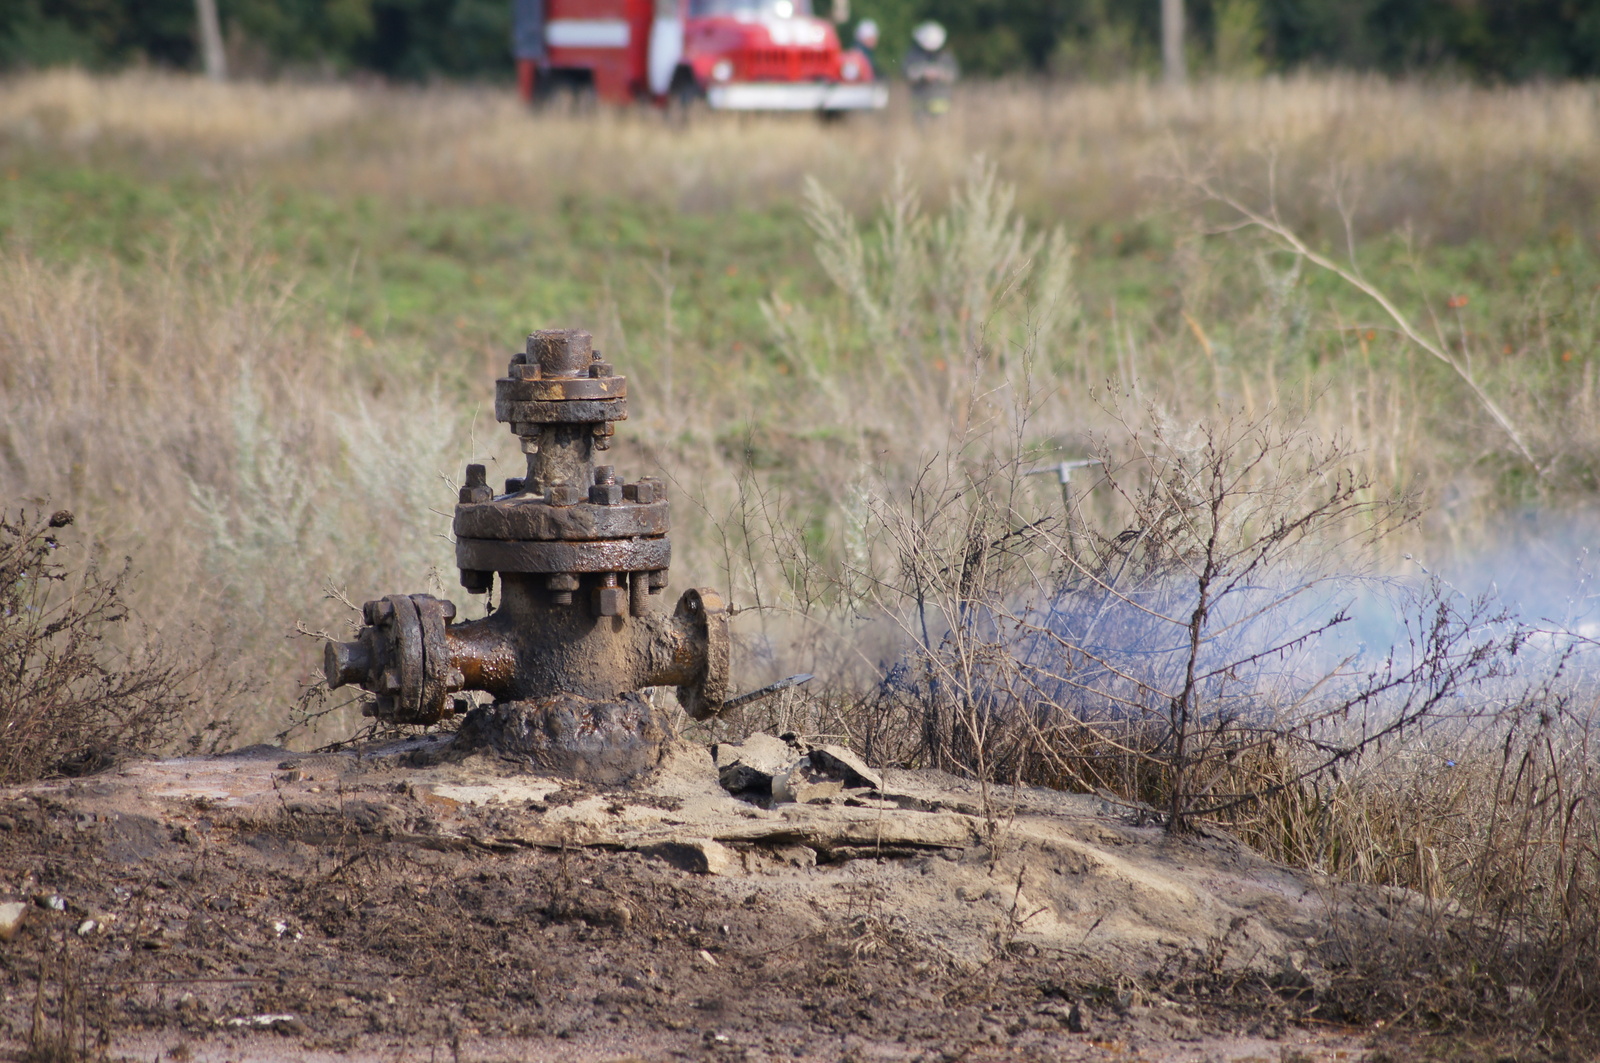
{"x":388,"y":906}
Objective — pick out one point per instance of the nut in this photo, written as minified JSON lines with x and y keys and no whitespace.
{"x":561,"y":585}
{"x":611,"y":601}
{"x":605,"y":494}
{"x":561,"y":493}
{"x":377,"y":612}
{"x":599,"y":369}
{"x":643,"y":492}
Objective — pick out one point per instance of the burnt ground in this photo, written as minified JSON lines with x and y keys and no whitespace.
{"x":274,"y":906}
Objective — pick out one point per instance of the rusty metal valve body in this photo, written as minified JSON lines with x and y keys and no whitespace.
{"x":580,"y":558}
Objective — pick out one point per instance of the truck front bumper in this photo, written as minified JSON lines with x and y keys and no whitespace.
{"x":796,"y":96}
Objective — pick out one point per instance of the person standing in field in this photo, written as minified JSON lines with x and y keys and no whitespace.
{"x":931,"y":71}
{"x":867,"y":41}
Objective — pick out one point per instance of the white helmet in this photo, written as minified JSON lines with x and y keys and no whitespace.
{"x":930,"y":36}
{"x":867,"y":33}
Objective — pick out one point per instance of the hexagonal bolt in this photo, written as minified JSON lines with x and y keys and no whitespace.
{"x":561,"y":493}
{"x":389,"y":683}
{"x":476,"y":581}
{"x":562,"y":585}
{"x":643,"y":492}
{"x":447,"y":610}
{"x":514,"y":485}
{"x":606,"y":494}
{"x":378,"y":612}
{"x":600,"y":369}
{"x":658,"y":581}
{"x":602,"y":435}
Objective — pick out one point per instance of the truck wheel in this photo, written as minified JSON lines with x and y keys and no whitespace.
{"x":568,"y":92}
{"x":686,"y":100}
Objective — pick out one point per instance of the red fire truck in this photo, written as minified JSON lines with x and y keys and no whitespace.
{"x":736,"y":55}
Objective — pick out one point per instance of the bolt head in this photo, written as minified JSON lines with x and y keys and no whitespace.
{"x":378,"y":612}
{"x":643,"y":492}
{"x":561,"y":493}
{"x":562,"y":581}
{"x":605,"y":494}
{"x":600,"y":369}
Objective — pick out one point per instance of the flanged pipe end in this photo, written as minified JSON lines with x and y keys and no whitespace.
{"x":705,"y":609}
{"x":345,"y":662}
{"x":561,"y":352}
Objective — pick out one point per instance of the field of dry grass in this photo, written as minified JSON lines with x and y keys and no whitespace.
{"x":249,"y":333}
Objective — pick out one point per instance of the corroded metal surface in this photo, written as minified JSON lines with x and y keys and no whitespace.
{"x":579,"y":556}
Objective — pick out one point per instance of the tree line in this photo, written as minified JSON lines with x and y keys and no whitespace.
{"x":1490,"y":40}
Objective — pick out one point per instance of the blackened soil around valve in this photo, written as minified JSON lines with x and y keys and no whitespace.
{"x":603,"y":741}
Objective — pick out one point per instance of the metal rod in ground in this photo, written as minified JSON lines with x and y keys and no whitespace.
{"x":765,"y":692}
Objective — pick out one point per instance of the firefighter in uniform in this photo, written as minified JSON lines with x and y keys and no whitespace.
{"x":931,"y":71}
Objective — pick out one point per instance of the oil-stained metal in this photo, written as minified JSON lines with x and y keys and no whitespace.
{"x":579,"y":555}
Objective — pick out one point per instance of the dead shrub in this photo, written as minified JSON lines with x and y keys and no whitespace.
{"x":82,"y":685}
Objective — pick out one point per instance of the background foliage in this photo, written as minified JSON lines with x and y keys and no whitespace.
{"x":418,"y":39}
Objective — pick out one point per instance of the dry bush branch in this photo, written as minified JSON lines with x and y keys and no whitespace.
{"x":80,"y":690}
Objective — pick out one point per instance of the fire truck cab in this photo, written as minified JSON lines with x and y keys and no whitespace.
{"x":736,"y":55}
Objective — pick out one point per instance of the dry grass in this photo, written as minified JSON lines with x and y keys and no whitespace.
{"x":1439,"y":156}
{"x":200,"y":413}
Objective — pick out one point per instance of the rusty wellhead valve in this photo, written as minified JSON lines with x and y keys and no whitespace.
{"x":580,"y":557}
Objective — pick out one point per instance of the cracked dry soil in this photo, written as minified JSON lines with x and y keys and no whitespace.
{"x":374,"y":906}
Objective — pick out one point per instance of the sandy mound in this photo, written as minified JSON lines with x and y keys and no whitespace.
{"x":388,"y":904}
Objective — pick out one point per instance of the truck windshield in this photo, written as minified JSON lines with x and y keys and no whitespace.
{"x":749,"y":9}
